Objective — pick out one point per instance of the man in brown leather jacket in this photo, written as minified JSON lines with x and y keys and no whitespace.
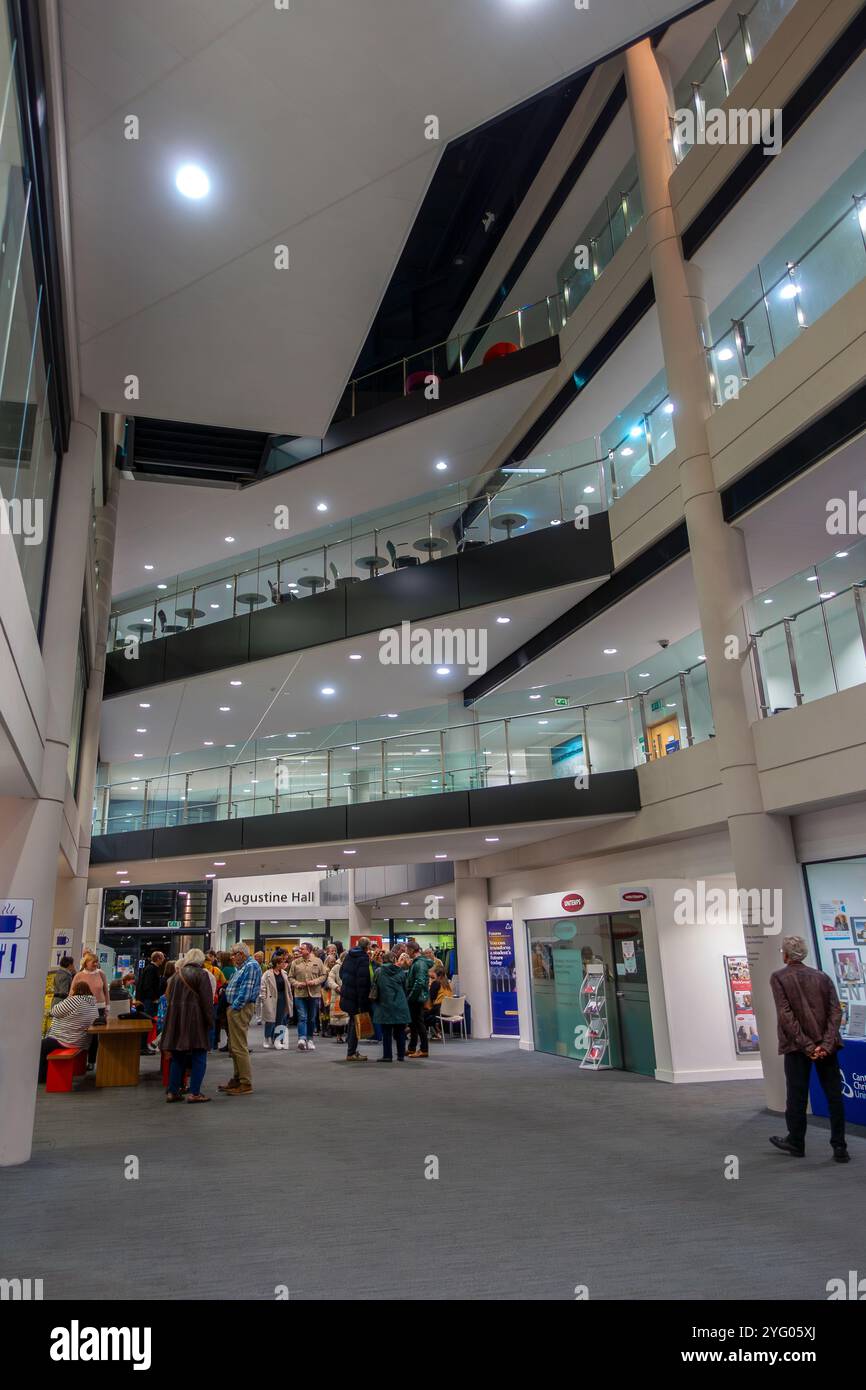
{"x":809,"y":1014}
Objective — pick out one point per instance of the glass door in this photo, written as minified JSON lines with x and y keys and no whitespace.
{"x":632,"y":994}
{"x":560,"y":952}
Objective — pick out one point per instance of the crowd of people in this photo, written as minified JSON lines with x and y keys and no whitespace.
{"x":364,"y":994}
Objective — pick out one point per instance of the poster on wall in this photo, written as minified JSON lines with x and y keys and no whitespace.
{"x":834,"y":922}
{"x":739,"y":983}
{"x":375,"y":941}
{"x":502,"y":972}
{"x":849,"y":974}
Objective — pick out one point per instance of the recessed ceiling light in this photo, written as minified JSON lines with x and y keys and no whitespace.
{"x":643,"y":673}
{"x":443,"y":670}
{"x":214,"y":605}
{"x":235,"y":682}
{"x":725,"y":354}
{"x":327,"y":690}
{"x":162,"y":586}
{"x":229,"y":540}
{"x":192,"y":181}
{"x":627,"y":452}
{"x":138,"y":755}
{"x":321,"y":506}
{"x":210,"y":875}
{"x":321,"y":866}
{"x":392,"y":716}
{"x":535,"y":697}
{"x":141,"y":731}
{"x":610,"y":651}
{"x":402,"y":904}
{"x":225,"y":709}
{"x":356,"y":747}
{"x":811,"y":579}
{"x":556,"y":522}
{"x":503,"y":620}
{"x":350,"y":851}
{"x":208,"y":743}
{"x":827,"y":593}
{"x":441,"y":466}
{"x":231,"y":745}
{"x":121,"y":872}
{"x":440,"y":856}
{"x":355,"y":656}
{"x":841,"y":554}
{"x":148,"y":567}
{"x":219,"y":863}
{"x":544,"y":721}
{"x":589,"y":489}
{"x":492,"y":839}
{"x":768,"y":600}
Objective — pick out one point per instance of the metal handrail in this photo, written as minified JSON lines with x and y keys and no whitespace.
{"x":794,"y":263}
{"x":414,"y":733}
{"x":809,"y":608}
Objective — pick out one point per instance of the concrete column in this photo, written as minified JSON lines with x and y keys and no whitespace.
{"x":30,"y":830}
{"x":360,"y":914}
{"x":471,"y":895}
{"x":761,"y":845}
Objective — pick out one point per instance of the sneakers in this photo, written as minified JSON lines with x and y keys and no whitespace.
{"x":787,"y":1146}
{"x":841,"y":1155}
{"x":266,"y":1042}
{"x":311,"y":1046}
{"x":302,"y":1044}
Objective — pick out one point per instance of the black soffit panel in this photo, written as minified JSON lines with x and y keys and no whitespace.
{"x":198,"y":453}
{"x":607,"y":793}
{"x":510,"y":568}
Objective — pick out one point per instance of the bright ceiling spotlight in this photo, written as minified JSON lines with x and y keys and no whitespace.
{"x":192,"y":181}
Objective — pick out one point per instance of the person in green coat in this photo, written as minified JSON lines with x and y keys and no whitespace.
{"x":417,"y":992}
{"x":391,"y":1008}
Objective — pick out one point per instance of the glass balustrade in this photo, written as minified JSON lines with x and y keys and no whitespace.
{"x":508,"y":333}
{"x":732,"y":47}
{"x":612,"y":222}
{"x":565,"y":736}
{"x":806,"y":273}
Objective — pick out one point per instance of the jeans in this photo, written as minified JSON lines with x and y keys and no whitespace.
{"x":798,"y":1068}
{"x":270,"y":1028}
{"x":397,"y":1032}
{"x":195,"y":1062}
{"x":308,"y":1014}
{"x":417,"y":1028}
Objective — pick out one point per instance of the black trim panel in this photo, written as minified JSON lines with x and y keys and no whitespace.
{"x":524,"y":565}
{"x":608,"y":793}
{"x":837,"y":427}
{"x":631,"y":576}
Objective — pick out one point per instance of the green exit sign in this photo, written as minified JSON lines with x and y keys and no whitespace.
{"x":657,"y":704}
{"x":175,"y":926}
{"x":561,"y":701}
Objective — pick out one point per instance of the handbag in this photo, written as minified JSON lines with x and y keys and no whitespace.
{"x":364,"y":1026}
{"x":374,"y":988}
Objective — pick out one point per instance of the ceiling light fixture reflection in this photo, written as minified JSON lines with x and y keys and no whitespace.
{"x":192,"y":181}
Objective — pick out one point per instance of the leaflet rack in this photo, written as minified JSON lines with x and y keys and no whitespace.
{"x":592,"y":993}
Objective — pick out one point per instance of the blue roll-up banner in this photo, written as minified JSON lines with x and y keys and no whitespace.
{"x":502,"y":971}
{"x":852,"y":1061}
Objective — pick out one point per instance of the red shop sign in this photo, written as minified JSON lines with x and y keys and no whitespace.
{"x":634,"y":897}
{"x":572,"y":902}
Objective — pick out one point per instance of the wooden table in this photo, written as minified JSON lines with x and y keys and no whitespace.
{"x":119,"y":1053}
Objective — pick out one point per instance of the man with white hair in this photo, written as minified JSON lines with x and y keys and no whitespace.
{"x":809,"y":1014}
{"x":242,"y":991}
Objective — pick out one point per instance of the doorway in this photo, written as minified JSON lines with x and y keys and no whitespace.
{"x":563,"y":954}
{"x":664,"y":738}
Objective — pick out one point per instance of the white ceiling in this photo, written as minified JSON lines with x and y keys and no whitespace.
{"x":410,"y":849}
{"x":177,"y":528}
{"x":310,"y":122}
{"x":182,"y":715}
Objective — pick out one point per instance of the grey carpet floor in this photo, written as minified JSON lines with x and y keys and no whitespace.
{"x":549,"y":1178}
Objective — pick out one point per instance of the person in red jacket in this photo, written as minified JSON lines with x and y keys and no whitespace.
{"x":809,"y":1014}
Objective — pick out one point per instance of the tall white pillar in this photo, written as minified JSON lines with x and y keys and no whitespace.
{"x":761,"y":845}
{"x":360,"y":914}
{"x":470,"y":911}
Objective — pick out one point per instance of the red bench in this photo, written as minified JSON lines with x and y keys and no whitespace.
{"x":63,"y":1065}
